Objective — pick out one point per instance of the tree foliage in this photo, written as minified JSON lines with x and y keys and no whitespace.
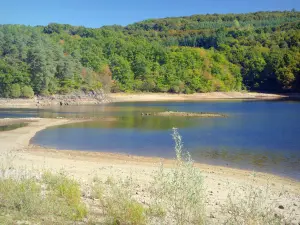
{"x":200,"y":53}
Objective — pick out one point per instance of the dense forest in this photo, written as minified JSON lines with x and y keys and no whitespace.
{"x":201,"y":53}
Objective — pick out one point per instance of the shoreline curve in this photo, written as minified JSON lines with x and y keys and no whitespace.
{"x":84,"y":166}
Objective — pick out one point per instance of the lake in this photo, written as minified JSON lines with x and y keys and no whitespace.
{"x":257,"y":135}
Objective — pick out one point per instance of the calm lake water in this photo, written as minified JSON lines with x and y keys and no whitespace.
{"x":257,"y":135}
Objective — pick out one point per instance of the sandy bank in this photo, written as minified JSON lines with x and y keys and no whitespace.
{"x":144,"y":97}
{"x":84,"y":165}
{"x":94,"y":99}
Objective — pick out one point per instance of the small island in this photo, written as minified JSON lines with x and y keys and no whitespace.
{"x":185,"y":114}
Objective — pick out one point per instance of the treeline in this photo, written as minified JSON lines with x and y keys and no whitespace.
{"x":216,"y":21}
{"x":201,"y":53}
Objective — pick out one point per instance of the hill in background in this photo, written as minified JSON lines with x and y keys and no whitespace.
{"x":200,"y":53}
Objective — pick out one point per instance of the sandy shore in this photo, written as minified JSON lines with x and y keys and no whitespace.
{"x":144,"y":97}
{"x":40,"y":102}
{"x":219,"y":181}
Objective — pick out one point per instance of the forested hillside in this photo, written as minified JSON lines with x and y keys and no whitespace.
{"x":200,"y":53}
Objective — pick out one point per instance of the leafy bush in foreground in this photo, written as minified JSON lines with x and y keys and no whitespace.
{"x":21,"y":196}
{"x":26,"y":199}
{"x":117,"y":203}
{"x":68,"y":191}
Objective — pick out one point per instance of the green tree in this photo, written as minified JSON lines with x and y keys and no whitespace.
{"x":15,"y":91}
{"x":27,"y":92}
{"x":121,"y":72}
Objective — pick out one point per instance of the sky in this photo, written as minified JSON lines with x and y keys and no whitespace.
{"x":97,"y":13}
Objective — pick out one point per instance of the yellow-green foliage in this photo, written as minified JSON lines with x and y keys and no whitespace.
{"x":68,"y":190}
{"x":63,"y":186}
{"x":116,"y":200}
{"x":125,"y":211}
{"x":22,"y":196}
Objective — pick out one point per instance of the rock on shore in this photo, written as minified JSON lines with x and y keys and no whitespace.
{"x":75,"y":98}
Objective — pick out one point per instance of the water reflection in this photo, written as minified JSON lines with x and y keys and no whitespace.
{"x":136,"y":122}
{"x":259,"y":135}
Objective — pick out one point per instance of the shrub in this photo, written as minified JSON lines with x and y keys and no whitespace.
{"x":67,"y":192}
{"x":22,"y":196}
{"x":41,"y":202}
{"x":15,"y":91}
{"x":115,"y":87}
{"x":64,"y":90}
{"x":63,"y":187}
{"x":44,"y":92}
{"x":27,"y":92}
{"x":179,"y":190}
{"x":175,"y":194}
{"x":118,"y":204}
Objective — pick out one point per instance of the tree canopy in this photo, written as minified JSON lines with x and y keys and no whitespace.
{"x":199,"y":53}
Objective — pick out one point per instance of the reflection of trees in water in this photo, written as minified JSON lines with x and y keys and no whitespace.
{"x":253,"y":158}
{"x":95,"y":111}
{"x":137,"y":122}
